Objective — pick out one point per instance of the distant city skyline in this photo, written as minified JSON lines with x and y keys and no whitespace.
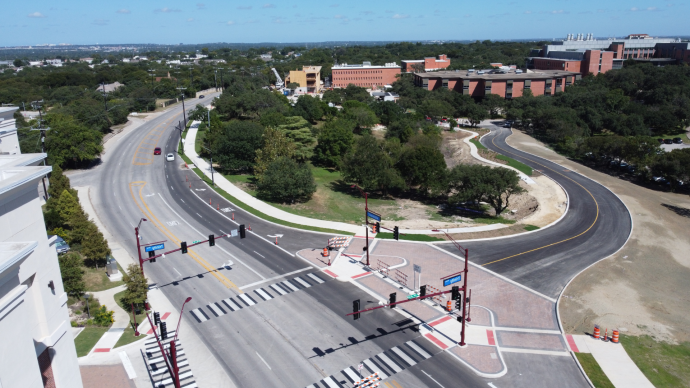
{"x":240,"y":21}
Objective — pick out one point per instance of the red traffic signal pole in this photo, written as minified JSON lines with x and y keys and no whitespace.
{"x":464,"y":287}
{"x":366,"y":218}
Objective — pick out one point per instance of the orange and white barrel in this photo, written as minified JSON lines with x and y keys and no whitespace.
{"x":614,"y":337}
{"x":597,"y":332}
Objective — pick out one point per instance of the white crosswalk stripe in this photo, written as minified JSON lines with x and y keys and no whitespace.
{"x":215,"y":309}
{"x":352,"y":375}
{"x":316,"y":278}
{"x":302,"y":282}
{"x":418,"y":349}
{"x":404,"y":356}
{"x":290,"y":285}
{"x":231,"y":304}
{"x":278,"y":289}
{"x":263,"y":294}
{"x":246,"y":299}
{"x":199,"y":315}
{"x":331,"y":383}
{"x":370,"y":364}
{"x":389,"y":363}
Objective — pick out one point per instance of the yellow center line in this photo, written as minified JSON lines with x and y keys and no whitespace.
{"x":151,"y":217}
{"x":154,"y":135}
{"x":559,"y":242}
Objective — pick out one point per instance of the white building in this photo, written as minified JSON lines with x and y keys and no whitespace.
{"x":37,"y":346}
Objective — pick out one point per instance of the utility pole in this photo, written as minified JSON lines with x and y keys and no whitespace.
{"x":184,"y":113}
{"x":105,"y":101}
{"x":215,"y":78}
{"x":366,"y":219}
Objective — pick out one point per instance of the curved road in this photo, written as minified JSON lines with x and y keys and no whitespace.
{"x":596,"y":225}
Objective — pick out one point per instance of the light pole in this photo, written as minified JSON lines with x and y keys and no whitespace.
{"x":211,"y":153}
{"x":184,"y":113}
{"x":136,"y":234}
{"x":366,"y":219}
{"x":465,"y":299}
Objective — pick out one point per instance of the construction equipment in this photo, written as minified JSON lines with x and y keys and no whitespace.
{"x":279,"y":81}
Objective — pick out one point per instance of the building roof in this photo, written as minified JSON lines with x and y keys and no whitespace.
{"x":13,"y":177}
{"x":110,"y":87}
{"x":7,"y":112}
{"x":311,"y":69}
{"x":412,"y":60}
{"x":12,"y":253}
{"x":365,"y":65}
{"x":20,"y":160}
{"x":498,"y":75}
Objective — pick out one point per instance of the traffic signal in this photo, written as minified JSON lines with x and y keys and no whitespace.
{"x":164,"y":330}
{"x":392,"y":299}
{"x":396,"y":233}
{"x":455,"y":293}
{"x":151,"y":254}
{"x":184,"y":246}
{"x":156,"y":318}
{"x":458,"y":304}
{"x":378,"y":227}
{"x":243,"y":233}
{"x":422,"y":291}
{"x":355,"y":308}
{"x":211,"y":240}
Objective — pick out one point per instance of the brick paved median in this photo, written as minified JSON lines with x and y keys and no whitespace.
{"x":384,"y":289}
{"x":511,"y":339}
{"x":483,"y":358}
{"x":313,"y":255}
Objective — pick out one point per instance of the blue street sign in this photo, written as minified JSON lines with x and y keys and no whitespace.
{"x":452,"y":280}
{"x":374,"y":216}
{"x":154,"y":247}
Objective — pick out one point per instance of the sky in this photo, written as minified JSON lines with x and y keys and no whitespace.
{"x":245,"y":21}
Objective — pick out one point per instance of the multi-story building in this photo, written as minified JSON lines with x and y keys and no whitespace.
{"x":586,"y":55}
{"x":364,"y":75}
{"x":37,"y":344}
{"x":426,"y":64}
{"x":309,"y":77}
{"x":504,"y":82}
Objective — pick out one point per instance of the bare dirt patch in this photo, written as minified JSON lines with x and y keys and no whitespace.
{"x":644,"y":288}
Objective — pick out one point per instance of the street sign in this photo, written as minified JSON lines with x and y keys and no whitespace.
{"x":454,"y":279}
{"x":373,"y":215}
{"x":417,"y":268}
{"x":196,"y":241}
{"x":233,"y":233}
{"x":412,"y":296}
{"x":156,"y":247}
{"x":360,"y":366}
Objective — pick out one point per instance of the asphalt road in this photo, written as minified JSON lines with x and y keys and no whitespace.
{"x":596,"y":225}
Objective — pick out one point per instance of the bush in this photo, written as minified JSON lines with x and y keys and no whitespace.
{"x":286,"y":181}
{"x":103,"y":317}
{"x":72,"y":273}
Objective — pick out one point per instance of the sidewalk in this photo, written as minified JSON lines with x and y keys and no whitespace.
{"x":110,"y":338}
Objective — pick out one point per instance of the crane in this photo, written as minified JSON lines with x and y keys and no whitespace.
{"x":279,"y":81}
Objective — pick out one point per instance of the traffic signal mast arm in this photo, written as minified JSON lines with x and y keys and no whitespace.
{"x":404,"y":301}
{"x":179,"y":249}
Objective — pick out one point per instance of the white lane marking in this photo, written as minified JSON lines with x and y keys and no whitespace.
{"x":290,"y":285}
{"x":429,"y":376}
{"x":178,"y":272}
{"x":389,"y":362}
{"x":262,"y":359}
{"x":246,"y":299}
{"x":277,"y":289}
{"x":491,"y":385}
{"x":166,"y":175}
{"x":328,"y":380}
{"x":376,"y":369}
{"x":274,"y":278}
{"x":231,"y":304}
{"x":263,"y":294}
{"x":418,"y":349}
{"x":260,"y":254}
{"x":302,"y":282}
{"x":172,"y":188}
{"x":128,"y":365}
{"x":351,"y":374}
{"x":120,"y":207}
{"x":215,"y":309}
{"x":316,"y":278}
{"x":404,"y":356}
{"x":226,"y":252}
{"x":199,"y":215}
{"x":172,"y":223}
{"x":182,"y":200}
{"x":197,"y":313}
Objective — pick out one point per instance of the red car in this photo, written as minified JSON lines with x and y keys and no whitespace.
{"x":157,"y":151}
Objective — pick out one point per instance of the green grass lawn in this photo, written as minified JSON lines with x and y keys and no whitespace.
{"x":97,"y":280}
{"x":530,"y":228}
{"x":199,"y":141}
{"x":527,"y":170}
{"x":408,"y":237}
{"x":593,"y":370}
{"x":140,"y":317}
{"x":128,"y":337}
{"x":86,"y":340}
{"x":665,"y":365}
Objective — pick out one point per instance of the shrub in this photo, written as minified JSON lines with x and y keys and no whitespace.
{"x":103,"y":317}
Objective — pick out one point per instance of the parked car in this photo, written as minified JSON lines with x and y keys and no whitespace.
{"x":157,"y":151}
{"x":677,"y":140}
{"x":668,"y":141}
{"x":170,"y":157}
{"x":61,"y":245}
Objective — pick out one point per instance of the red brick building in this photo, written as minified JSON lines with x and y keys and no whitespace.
{"x":426,"y":64}
{"x":364,"y":75}
{"x":504,"y":83}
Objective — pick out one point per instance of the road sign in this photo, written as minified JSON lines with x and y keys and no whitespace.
{"x":412,"y":296}
{"x":196,"y":241}
{"x":454,"y":279}
{"x":417,"y":268}
{"x":373,"y":215}
{"x":233,"y":233}
{"x":156,"y":247}
{"x":360,"y":366}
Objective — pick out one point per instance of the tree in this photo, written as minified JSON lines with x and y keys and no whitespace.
{"x":285,"y":180}
{"x":199,"y":113}
{"x":423,"y":165}
{"x":136,"y":285}
{"x":235,"y":148}
{"x":72,"y":273}
{"x":475,"y":114}
{"x":359,"y":113}
{"x":18,"y":63}
{"x":293,"y":85}
{"x":436,"y":108}
{"x":276,"y":145}
{"x":299,"y":131}
{"x":59,"y":182}
{"x":309,"y":108}
{"x":475,"y":183}
{"x":68,"y":206}
{"x":494,"y":104}
{"x":369,"y":165}
{"x":68,"y":141}
{"x":334,"y":141}
{"x":94,"y":246}
{"x":504,"y":183}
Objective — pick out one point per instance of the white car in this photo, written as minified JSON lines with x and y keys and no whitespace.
{"x":170,"y":157}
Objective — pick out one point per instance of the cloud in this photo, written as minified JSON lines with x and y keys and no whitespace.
{"x":167,"y":10}
{"x":124,"y":11}
{"x":35,"y":15}
{"x":634,"y":9}
{"x":100,"y":22}
{"x":230,"y":23}
{"x":400,"y":16}
{"x":279,"y":21}
{"x":335,"y":5}
{"x":653,"y":9}
{"x":338,"y":16}
{"x":558,"y":11}
{"x":190,"y":19}
{"x":528,"y":12}
{"x":268,"y":5}
{"x":200,"y":5}
{"x":366,"y":12}
{"x":244,"y":7}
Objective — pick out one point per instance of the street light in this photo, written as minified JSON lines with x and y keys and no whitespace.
{"x":366,"y":219}
{"x":177,"y":331}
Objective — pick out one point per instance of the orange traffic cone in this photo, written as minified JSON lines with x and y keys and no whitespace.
{"x":249,"y":227}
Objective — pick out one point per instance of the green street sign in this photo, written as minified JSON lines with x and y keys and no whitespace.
{"x":412,"y":296}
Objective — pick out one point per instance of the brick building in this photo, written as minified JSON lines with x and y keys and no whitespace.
{"x":504,"y":82}
{"x":364,"y":75}
{"x":426,"y":64}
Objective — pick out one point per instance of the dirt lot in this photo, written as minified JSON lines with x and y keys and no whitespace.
{"x":644,"y":288}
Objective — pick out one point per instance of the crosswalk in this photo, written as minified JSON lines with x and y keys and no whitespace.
{"x":160,"y":377}
{"x":225,"y":306}
{"x":386,"y":364}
